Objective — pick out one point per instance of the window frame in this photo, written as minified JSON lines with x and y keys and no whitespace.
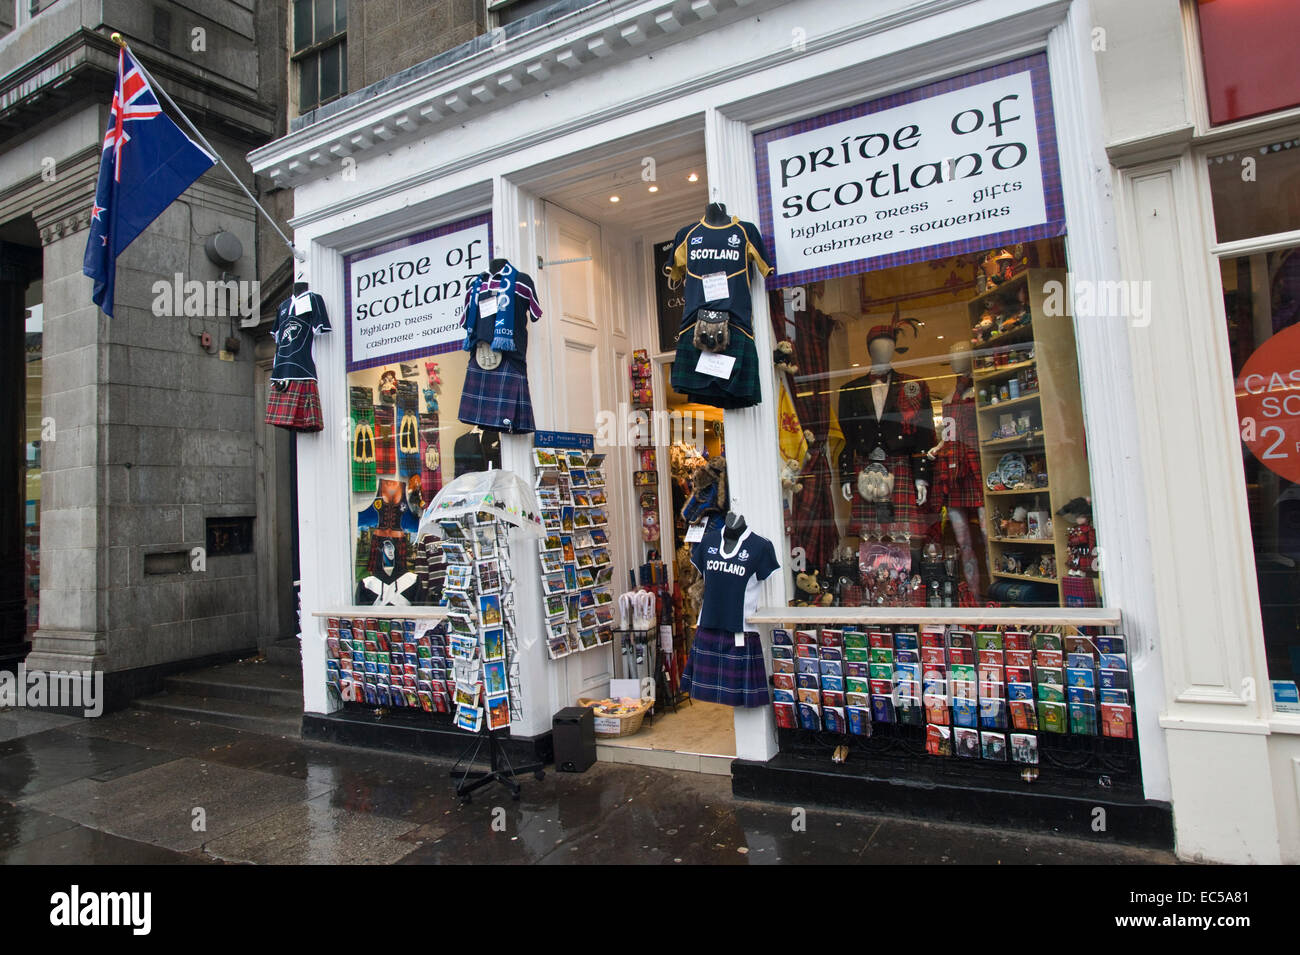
{"x":299,"y":58}
{"x":1258,"y":133}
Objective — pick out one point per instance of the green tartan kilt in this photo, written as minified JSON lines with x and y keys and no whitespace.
{"x":741,"y":390}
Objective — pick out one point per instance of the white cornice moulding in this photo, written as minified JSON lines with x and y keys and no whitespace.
{"x":577,"y":42}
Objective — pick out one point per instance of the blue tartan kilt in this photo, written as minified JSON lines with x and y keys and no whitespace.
{"x":718,"y":671}
{"x":499,"y":398}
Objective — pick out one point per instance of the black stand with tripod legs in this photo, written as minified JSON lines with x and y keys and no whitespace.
{"x":500,"y":768}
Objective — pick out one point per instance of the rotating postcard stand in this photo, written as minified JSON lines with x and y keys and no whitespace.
{"x":472,"y":518}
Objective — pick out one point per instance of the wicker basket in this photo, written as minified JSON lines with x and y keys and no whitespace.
{"x":613,"y":727}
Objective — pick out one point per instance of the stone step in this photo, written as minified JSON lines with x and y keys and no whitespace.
{"x":258,"y":718}
{"x":284,"y":653}
{"x":248,"y":682}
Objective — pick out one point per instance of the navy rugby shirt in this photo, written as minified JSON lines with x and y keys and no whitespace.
{"x":732,"y":573}
{"x":701,"y":249}
{"x":516,"y":301}
{"x":293,"y":335}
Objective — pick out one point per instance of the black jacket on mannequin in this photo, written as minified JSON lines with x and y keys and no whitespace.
{"x":905,"y":425}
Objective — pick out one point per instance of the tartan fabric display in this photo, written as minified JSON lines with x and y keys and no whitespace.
{"x":385,"y":441}
{"x":898,"y":515}
{"x":363,"y":440}
{"x":430,"y":477}
{"x":408,"y":428}
{"x":499,"y":398}
{"x":361,"y":559}
{"x":814,"y":507}
{"x":957,"y":478}
{"x":741,"y":390}
{"x":718,"y":671}
{"x":297,"y":407}
{"x":1079,"y":591}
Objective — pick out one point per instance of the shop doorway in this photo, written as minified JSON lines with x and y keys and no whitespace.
{"x":607,"y":217}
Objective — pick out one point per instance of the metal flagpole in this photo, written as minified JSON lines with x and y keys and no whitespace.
{"x":121,"y":41}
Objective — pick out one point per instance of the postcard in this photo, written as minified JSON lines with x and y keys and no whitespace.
{"x":494,"y":644}
{"x":498,"y":712}
{"x":468,"y":717}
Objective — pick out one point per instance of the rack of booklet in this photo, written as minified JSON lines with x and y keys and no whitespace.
{"x":481,"y":643}
{"x":577,"y":567}
{"x":978,"y":694}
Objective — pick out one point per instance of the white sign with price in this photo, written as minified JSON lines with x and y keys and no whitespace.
{"x":719,"y":366}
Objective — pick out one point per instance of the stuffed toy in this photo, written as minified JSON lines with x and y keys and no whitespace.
{"x":792,"y":469}
{"x":807,"y":590}
{"x":783,"y":358}
{"x":709,"y":493}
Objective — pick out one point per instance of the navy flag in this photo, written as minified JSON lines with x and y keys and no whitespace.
{"x":145,"y":164}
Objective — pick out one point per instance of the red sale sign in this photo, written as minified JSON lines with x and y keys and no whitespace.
{"x":1268,"y":403}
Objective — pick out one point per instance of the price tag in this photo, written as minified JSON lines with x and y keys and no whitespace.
{"x":740,"y":639}
{"x":718,"y":366}
{"x":695,"y":533}
{"x":715,"y":287}
{"x":487,"y":306}
{"x":301,"y":304}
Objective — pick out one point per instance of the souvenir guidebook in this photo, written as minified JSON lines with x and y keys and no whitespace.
{"x":994,"y":746}
{"x":1024,"y":748}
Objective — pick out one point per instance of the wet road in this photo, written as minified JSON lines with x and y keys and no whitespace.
{"x":136,"y":787}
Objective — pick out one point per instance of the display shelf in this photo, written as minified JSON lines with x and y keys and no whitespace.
{"x":1004,"y":290}
{"x":1000,"y":371}
{"x":1017,"y":336}
{"x":1054,"y":581}
{"x":1012,"y":441}
{"x":1010,"y":402}
{"x":1050,"y":542}
{"x":1059,"y":436}
{"x":372,"y":610}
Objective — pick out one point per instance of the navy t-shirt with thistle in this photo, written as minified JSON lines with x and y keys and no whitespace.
{"x":732,"y":573}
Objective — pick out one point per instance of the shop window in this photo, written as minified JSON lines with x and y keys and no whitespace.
{"x":407,"y":368}
{"x":1255,"y":189}
{"x":1248,"y":48}
{"x":1261,"y":294}
{"x":933,"y":436}
{"x":320,"y":51}
{"x":406,"y":445}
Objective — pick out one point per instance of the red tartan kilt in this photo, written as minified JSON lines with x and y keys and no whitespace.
{"x":296,"y":408}
{"x":907,"y":518}
{"x":962,"y":486}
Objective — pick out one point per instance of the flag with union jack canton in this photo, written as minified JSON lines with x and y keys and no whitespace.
{"x":145,"y":164}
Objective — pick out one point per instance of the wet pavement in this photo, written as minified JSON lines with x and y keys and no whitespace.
{"x":137,"y":787}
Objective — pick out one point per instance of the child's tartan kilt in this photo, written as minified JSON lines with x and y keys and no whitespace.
{"x":903,"y":518}
{"x":741,"y":390}
{"x":296,"y":408}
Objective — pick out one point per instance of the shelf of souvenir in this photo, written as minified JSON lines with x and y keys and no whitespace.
{"x":984,"y":693}
{"x":1004,"y":316}
{"x":576,"y":564}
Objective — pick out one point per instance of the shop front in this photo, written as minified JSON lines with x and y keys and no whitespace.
{"x":740,"y":274}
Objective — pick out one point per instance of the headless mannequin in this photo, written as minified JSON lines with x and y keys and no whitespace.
{"x":715,"y":214}
{"x":734,"y":527}
{"x":496,"y":265}
{"x":882,"y":354}
{"x":960,"y":362}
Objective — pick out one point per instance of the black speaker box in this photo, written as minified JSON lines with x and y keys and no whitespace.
{"x":574,"y":736}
